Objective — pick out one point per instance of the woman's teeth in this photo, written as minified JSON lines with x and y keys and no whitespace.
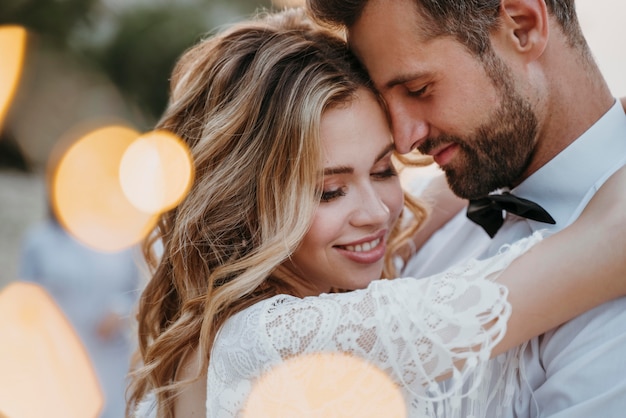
{"x":366,"y":246}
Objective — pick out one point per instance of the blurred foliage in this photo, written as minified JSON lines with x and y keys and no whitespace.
{"x":140,"y":55}
{"x":54,"y":19}
{"x":135,"y":44}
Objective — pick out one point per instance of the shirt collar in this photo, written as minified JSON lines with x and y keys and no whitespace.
{"x":577,"y":171}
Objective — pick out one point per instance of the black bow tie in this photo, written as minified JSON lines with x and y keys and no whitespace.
{"x":487,"y":211}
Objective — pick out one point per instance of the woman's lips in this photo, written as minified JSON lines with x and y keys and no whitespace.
{"x":365,"y":252}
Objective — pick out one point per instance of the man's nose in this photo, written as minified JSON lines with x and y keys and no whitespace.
{"x":409,"y":128}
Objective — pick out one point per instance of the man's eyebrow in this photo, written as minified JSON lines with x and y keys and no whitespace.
{"x":401,"y":79}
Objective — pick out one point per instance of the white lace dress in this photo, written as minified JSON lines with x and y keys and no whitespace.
{"x":415,"y":331}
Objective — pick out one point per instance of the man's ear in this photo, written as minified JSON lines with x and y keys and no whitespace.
{"x":525,"y":25}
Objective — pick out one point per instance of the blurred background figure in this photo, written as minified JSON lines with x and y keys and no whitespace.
{"x":97,"y":292}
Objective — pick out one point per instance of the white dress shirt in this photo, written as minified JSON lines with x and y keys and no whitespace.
{"x":578,"y":369}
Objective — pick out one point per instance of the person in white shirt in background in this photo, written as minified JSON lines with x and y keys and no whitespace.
{"x":96,"y":291}
{"x":506,"y":97}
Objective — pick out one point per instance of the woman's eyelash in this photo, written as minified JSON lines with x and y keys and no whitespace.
{"x":389,"y":172}
{"x":328,"y":195}
{"x":332,"y":194}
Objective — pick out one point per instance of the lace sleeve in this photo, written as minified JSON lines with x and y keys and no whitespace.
{"x":417,"y":331}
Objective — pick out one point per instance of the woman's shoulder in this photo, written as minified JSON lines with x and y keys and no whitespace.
{"x":246,"y":327}
{"x":248,"y":316}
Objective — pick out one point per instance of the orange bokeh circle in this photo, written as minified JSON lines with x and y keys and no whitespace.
{"x":331,"y":385}
{"x":156,"y":171}
{"x":13,"y":46}
{"x":46,"y":371}
{"x":87,"y":197}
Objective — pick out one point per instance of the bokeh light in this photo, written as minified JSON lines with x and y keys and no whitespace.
{"x":45,"y":369}
{"x":87,"y":196}
{"x":13,"y":47}
{"x":330,"y":385}
{"x":156,"y":171}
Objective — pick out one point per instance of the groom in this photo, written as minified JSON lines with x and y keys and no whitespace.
{"x":505,"y":95}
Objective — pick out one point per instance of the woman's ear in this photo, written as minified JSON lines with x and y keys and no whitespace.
{"x":525,"y":25}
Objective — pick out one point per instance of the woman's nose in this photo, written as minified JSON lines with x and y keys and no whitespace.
{"x":371,"y":210}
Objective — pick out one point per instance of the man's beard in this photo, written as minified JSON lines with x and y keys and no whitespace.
{"x":497,"y":153}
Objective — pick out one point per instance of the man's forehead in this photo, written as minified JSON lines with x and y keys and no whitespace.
{"x":389,"y":58}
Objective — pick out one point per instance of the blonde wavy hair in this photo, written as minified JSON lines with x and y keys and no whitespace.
{"x":248,"y":101}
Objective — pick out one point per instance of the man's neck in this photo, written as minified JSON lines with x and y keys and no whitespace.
{"x":578,"y":97}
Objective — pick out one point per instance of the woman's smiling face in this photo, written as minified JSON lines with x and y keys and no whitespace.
{"x":361,"y":200}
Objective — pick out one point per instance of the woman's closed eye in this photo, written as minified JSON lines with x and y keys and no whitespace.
{"x":386,"y":173}
{"x":328,"y":195}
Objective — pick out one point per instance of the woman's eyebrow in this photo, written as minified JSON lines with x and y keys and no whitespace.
{"x":344,"y":169}
{"x":338,"y":170}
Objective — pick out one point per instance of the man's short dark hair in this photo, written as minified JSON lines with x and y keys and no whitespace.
{"x":469,"y":21}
